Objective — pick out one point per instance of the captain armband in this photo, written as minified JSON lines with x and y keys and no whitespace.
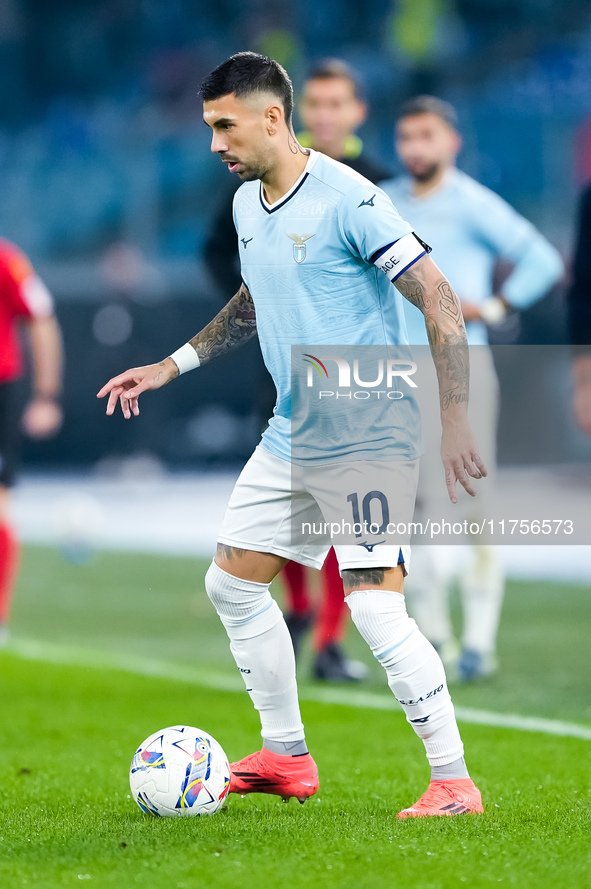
{"x":185,"y":358}
{"x":396,"y":258}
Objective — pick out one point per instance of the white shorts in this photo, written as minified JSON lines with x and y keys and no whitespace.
{"x":272,"y":498}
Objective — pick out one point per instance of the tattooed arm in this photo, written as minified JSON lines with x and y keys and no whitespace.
{"x":234,"y":325}
{"x":424,"y":285}
{"x":426,"y":288}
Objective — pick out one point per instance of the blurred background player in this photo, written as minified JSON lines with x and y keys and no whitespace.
{"x":23,"y":298}
{"x":469,"y":228}
{"x":579,"y":305}
{"x":331,"y":110}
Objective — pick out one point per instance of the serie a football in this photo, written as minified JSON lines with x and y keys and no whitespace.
{"x":180,"y":771}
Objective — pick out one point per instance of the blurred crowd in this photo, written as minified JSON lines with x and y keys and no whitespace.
{"x":100,"y":132}
{"x":110,"y":188}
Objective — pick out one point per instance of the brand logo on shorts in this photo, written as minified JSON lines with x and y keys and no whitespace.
{"x":299,"y":245}
{"x":370,"y":546}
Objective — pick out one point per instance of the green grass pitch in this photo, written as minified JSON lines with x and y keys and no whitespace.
{"x":67,"y":734}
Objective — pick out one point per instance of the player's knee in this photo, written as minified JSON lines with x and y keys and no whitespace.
{"x":234,"y":598}
{"x":386,"y":579}
{"x":219,"y":587}
{"x":358,"y":577}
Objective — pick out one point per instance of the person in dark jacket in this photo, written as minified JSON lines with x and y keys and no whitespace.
{"x":579,"y":311}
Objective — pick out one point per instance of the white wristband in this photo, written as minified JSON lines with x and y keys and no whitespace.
{"x":185,"y":358}
{"x":492,"y":310}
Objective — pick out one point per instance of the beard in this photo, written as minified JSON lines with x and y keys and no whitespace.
{"x":249,"y":174}
{"x":426,"y":174}
{"x":256,"y":169}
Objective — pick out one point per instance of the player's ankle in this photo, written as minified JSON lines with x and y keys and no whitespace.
{"x":286,"y":748}
{"x":451,"y":771}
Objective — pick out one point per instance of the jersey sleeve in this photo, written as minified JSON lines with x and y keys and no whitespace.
{"x":369,"y":221}
{"x":28,"y":295}
{"x":538,"y":265}
{"x":499,"y":226}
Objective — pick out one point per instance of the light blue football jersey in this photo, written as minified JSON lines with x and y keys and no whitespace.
{"x":469,"y":227}
{"x":307,"y":262}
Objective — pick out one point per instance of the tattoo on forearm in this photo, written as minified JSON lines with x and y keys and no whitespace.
{"x":175,"y":371}
{"x":449,"y":303}
{"x":452,"y":361}
{"x":354,"y":576}
{"x":234,"y":325}
{"x":424,"y":286}
{"x":453,"y":396}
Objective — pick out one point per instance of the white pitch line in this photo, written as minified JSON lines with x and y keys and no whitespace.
{"x":524,"y":723}
{"x":373,"y":701}
{"x":31,"y":649}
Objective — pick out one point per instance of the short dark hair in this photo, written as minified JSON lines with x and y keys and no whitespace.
{"x":246,"y":73}
{"x":429,"y":105}
{"x":331,"y":69}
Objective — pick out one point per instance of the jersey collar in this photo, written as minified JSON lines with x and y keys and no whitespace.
{"x":270,"y":208}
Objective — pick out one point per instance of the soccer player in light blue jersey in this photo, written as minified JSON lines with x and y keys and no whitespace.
{"x":469,"y":227}
{"x":320,"y":248}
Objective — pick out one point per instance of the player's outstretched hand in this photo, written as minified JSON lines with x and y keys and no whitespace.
{"x":459,"y":452}
{"x":128,"y":386}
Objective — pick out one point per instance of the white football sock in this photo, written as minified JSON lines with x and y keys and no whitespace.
{"x":414,"y":669}
{"x":428,"y":593}
{"x":482,"y":586}
{"x":262,"y":649}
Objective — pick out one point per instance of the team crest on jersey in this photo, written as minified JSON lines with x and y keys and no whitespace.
{"x":299,"y":245}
